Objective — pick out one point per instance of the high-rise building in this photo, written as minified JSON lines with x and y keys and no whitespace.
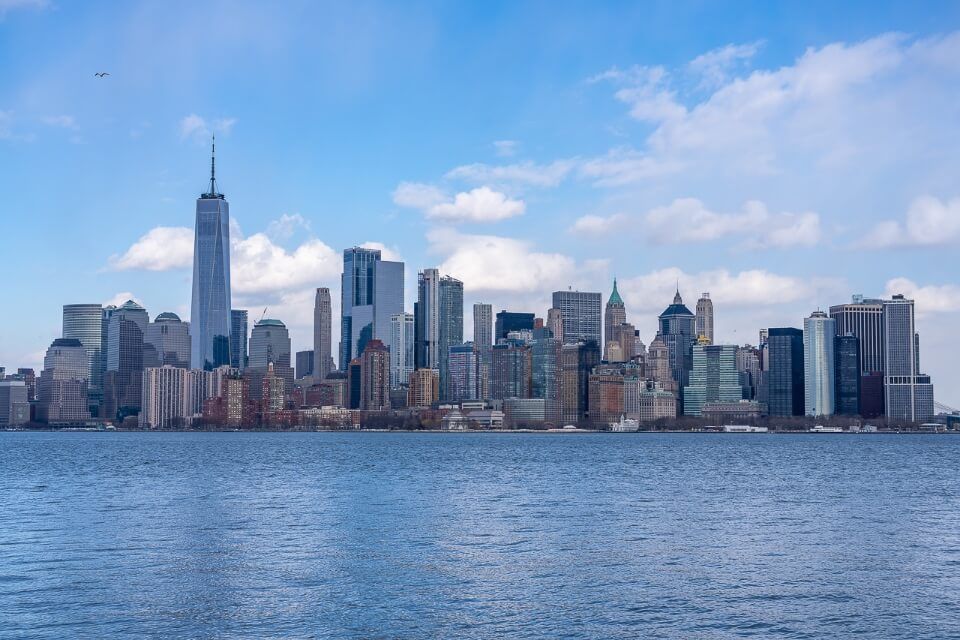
{"x":401,"y":349}
{"x":576,"y":363}
{"x":784,"y":377}
{"x":555,"y":323}
{"x":545,"y":383}
{"x":371,"y":294}
{"x":704,"y":317}
{"x":614,"y":316}
{"x":451,"y":327}
{"x":748,"y":364}
{"x":239,"y":331}
{"x":322,"y":334}
{"x":863,"y":318}
{"x":375,"y":377}
{"x":605,"y":397}
{"x":846,"y":351}
{"x":63,"y":383}
{"x":483,"y":329}
{"x":305,"y":364}
{"x":166,"y":341}
{"x":14,"y":403}
{"x":658,"y":364}
{"x":579,"y":315}
{"x":509,"y":322}
{"x":164,"y":402}
{"x":714,"y":377}
{"x":84,"y":322}
{"x":510,"y":370}
{"x":269,"y":344}
{"x":123,"y":380}
{"x":907,"y":392}
{"x":426,"y":313}
{"x":423,"y":390}
{"x":678,"y":333}
{"x":464,"y":371}
{"x":210,"y":307}
{"x":819,"y":334}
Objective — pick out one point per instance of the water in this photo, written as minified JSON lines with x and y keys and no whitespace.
{"x":362,"y":535}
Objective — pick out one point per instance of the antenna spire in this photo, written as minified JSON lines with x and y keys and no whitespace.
{"x":213,"y":164}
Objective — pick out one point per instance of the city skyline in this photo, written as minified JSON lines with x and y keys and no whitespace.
{"x":539,"y":201}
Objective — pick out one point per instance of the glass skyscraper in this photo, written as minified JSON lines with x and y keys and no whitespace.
{"x":714,"y":378}
{"x":819,"y":374}
{"x":210,"y":307}
{"x":451,"y":327}
{"x":84,"y":322}
{"x":580,"y":315}
{"x":238,"y":338}
{"x":371,"y":294}
{"x":784,"y":377}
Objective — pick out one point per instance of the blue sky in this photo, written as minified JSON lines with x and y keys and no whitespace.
{"x":780,"y":156}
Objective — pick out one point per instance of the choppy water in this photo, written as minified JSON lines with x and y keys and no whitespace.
{"x":478,"y":535}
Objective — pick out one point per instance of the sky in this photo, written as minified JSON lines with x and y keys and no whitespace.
{"x":781,"y":156}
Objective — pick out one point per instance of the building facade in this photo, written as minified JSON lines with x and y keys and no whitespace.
{"x":62,"y":390}
{"x":464,"y":370}
{"x":167,"y":342}
{"x":579,"y":315}
{"x":401,"y":349}
{"x":847,"y":375}
{"x":714,"y":377}
{"x":819,"y":361}
{"x":908,"y":394}
{"x":239,"y":330}
{"x":784,"y":379}
{"x":704,"y":317}
{"x":84,"y":322}
{"x":371,"y":293}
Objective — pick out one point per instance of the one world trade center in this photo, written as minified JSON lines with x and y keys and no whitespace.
{"x":210,"y":308}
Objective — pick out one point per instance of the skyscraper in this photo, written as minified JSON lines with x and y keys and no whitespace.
{"x":164,"y":402}
{"x":511,"y":321}
{"x":304,"y":364}
{"x":123,"y":380}
{"x":322,"y":337}
{"x":510,"y":371}
{"x":819,"y":375}
{"x":238,"y":338}
{"x":847,"y":384}
{"x":555,"y":323}
{"x":464,"y":372}
{"x":580,"y":315}
{"x":14,"y":404}
{"x":615,"y":315}
{"x":375,"y":377}
{"x":863,"y":318}
{"x":371,"y":294}
{"x":714,"y":378}
{"x":545,"y":383}
{"x":784,"y":377}
{"x":483,"y":329}
{"x":401,"y":349}
{"x":907,"y":392}
{"x":63,"y":383}
{"x":678,"y":333}
{"x":269,"y":345}
{"x":451,"y":327}
{"x":576,"y":362}
{"x":426,"y":313}
{"x":704,"y":317}
{"x":83,"y":322}
{"x":167,"y":342}
{"x":210,"y":308}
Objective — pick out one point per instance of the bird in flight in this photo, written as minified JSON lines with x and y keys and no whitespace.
{"x":101,"y":74}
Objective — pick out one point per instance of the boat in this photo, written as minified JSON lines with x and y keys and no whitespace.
{"x":822,"y":429}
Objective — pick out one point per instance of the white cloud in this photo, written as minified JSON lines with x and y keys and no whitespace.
{"x":929,"y":221}
{"x":714,"y":66}
{"x":525,"y":173}
{"x":506,"y":148}
{"x":482,"y":204}
{"x":160,"y":249}
{"x":624,"y":165}
{"x":119,"y":298}
{"x":391,"y":254}
{"x":197,"y":128}
{"x":258,"y":266}
{"x":929,"y":298}
{"x":597,"y":225}
{"x":497,"y":264}
{"x":284,"y":227}
{"x":63,"y":121}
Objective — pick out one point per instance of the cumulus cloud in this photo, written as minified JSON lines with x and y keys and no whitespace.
{"x":929,"y":221}
{"x":284,"y":227}
{"x":714,"y":66}
{"x":525,"y":173}
{"x":198,"y":128}
{"x":120,"y":298}
{"x":688,"y":220}
{"x":928,"y":299}
{"x":506,"y":148}
{"x":260,"y":266}
{"x":160,"y":249}
{"x":624,"y":165}
{"x":482,"y":204}
{"x":391,"y":254}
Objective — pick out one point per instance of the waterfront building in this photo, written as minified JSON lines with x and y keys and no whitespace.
{"x":14,"y":403}
{"x":305,"y":364}
{"x":658,"y":364}
{"x":238,"y":338}
{"x":678,"y":332}
{"x":847,"y":375}
{"x":545,"y":380}
{"x":236,"y":399}
{"x":62,"y":389}
{"x":164,"y":402}
{"x":521,"y":413}
{"x":371,"y":294}
{"x":464,"y":371}
{"x":819,"y":334}
{"x":423,"y":390}
{"x":511,"y":321}
{"x":576,"y":363}
{"x":714,"y":377}
{"x":647,"y":400}
{"x":84,"y":322}
{"x":872,"y":402}
{"x":210,"y":317}
{"x":426,"y":312}
{"x":401,"y":349}
{"x":269,"y":345}
{"x":375,"y":377}
{"x":614,"y":316}
{"x":605,"y":397}
{"x":510,"y":370}
{"x":451,"y":328}
{"x":123,"y":380}
{"x":748,"y":364}
{"x":704,"y":318}
{"x":908,"y":394}
{"x":863,"y":318}
{"x":273,"y":390}
{"x":579,"y":316}
{"x":726,"y":412}
{"x":785,"y":375}
{"x":204,"y":385}
{"x":322,"y":334}
{"x":167,"y":342}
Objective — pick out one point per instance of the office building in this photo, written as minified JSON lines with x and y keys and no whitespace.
{"x":371,"y":294}
{"x":545,"y":359}
{"x":510,"y":370}
{"x":819,"y":375}
{"x":908,"y":394}
{"x":847,"y":375}
{"x":62,"y":389}
{"x":464,"y":370}
{"x":164,"y":402}
{"x":322,"y":334}
{"x":605,"y":397}
{"x":426,"y":312}
{"x":14,"y":403}
{"x":511,"y":322}
{"x":375,"y":377}
{"x":239,"y":331}
{"x":523,"y":413}
{"x":863,"y":318}
{"x":704,"y":318}
{"x":451,"y":327}
{"x":269,"y":344}
{"x":784,"y":378}
{"x":166,"y":341}
{"x":579,"y":315}
{"x":210,"y":308}
{"x":84,"y":322}
{"x":305,"y":364}
{"x":123,"y":380}
{"x":483,"y":330}
{"x":555,"y":323}
{"x":714,"y":377}
{"x":401,"y":349}
{"x":614,"y":315}
{"x":678,"y":332}
{"x":576,"y":363}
